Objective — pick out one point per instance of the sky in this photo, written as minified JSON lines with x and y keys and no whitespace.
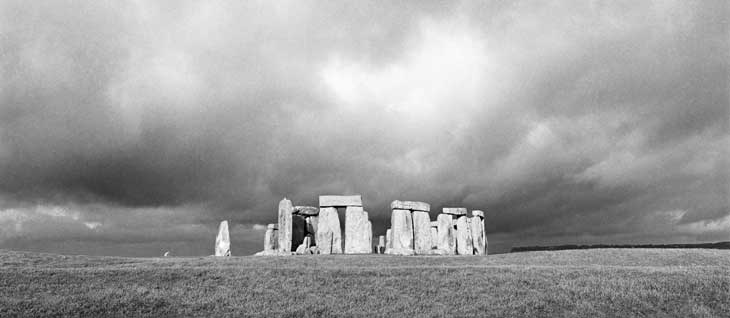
{"x":133,"y":128}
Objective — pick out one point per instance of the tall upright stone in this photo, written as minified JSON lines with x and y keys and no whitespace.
{"x":421,"y":232}
{"x":285,"y":226}
{"x":358,"y":235}
{"x":464,"y":244}
{"x":401,"y":224}
{"x":270,"y":242}
{"x":477,"y":232}
{"x":329,"y":235}
{"x":446,"y":242}
{"x":223,"y":240}
{"x":312,"y":224}
{"x":381,"y":244}
{"x":388,"y":239}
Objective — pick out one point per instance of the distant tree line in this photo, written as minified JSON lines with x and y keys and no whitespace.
{"x":718,"y":245}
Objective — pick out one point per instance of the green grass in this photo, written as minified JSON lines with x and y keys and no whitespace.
{"x":580,"y":283}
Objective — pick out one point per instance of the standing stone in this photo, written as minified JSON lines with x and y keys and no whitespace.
{"x":329,"y":235}
{"x":477,"y":233}
{"x":446,"y":242}
{"x":421,"y":232}
{"x":381,"y":244}
{"x":312,"y":222}
{"x":223,"y":241}
{"x":357,"y":233}
{"x":388,"y":241}
{"x":285,"y":226}
{"x":269,"y":238}
{"x":464,"y":244}
{"x":402,"y":232}
{"x":434,"y":237}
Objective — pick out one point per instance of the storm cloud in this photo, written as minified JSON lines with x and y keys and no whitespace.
{"x":131,"y":128}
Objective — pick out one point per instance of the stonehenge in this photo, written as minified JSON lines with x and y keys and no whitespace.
{"x":307,"y":230}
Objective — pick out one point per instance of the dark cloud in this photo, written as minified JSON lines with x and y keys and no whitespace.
{"x":133,"y":128}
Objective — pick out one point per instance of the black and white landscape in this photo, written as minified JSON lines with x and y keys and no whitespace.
{"x":138,"y":138}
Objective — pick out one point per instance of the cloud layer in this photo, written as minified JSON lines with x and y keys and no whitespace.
{"x":131,"y":128}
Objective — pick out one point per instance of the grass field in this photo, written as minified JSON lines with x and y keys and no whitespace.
{"x":580,"y":283}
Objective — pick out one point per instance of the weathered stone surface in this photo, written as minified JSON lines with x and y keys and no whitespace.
{"x":434,"y":223}
{"x":421,"y":232}
{"x":388,"y":238}
{"x":312,"y":224}
{"x":304,"y":247}
{"x":434,"y":238}
{"x":306,"y":210}
{"x":272,"y":226}
{"x":285,"y":225}
{"x":454,"y":211}
{"x":369,"y":233}
{"x":329,"y":235}
{"x":299,"y":230}
{"x":410,"y":205}
{"x":223,"y":240}
{"x":477,"y":235}
{"x":339,"y":200}
{"x":402,"y":230}
{"x":269,"y":240}
{"x":381,"y":240}
{"x":464,"y":244}
{"x":357,"y":231}
{"x":478,"y":213}
{"x":446,"y":242}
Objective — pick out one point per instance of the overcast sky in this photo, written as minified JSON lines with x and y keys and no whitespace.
{"x":134,"y":127}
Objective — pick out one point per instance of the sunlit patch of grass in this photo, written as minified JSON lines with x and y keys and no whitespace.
{"x":580,"y":283}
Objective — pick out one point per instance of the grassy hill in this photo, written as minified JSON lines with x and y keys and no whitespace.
{"x":578,"y":283}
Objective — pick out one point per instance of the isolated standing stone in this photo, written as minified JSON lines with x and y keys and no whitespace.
{"x":339,"y":200}
{"x":357,"y":233}
{"x":446,"y":242}
{"x":463,"y":236}
{"x":223,"y":241}
{"x":285,"y":226}
{"x":402,"y":232}
{"x":477,"y":233}
{"x":329,"y":235}
{"x":421,"y":232}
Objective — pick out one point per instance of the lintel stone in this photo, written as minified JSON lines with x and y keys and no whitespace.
{"x":410,"y":205}
{"x":340,"y":200}
{"x":455,"y":211}
{"x":306,"y":210}
{"x":477,"y":213}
